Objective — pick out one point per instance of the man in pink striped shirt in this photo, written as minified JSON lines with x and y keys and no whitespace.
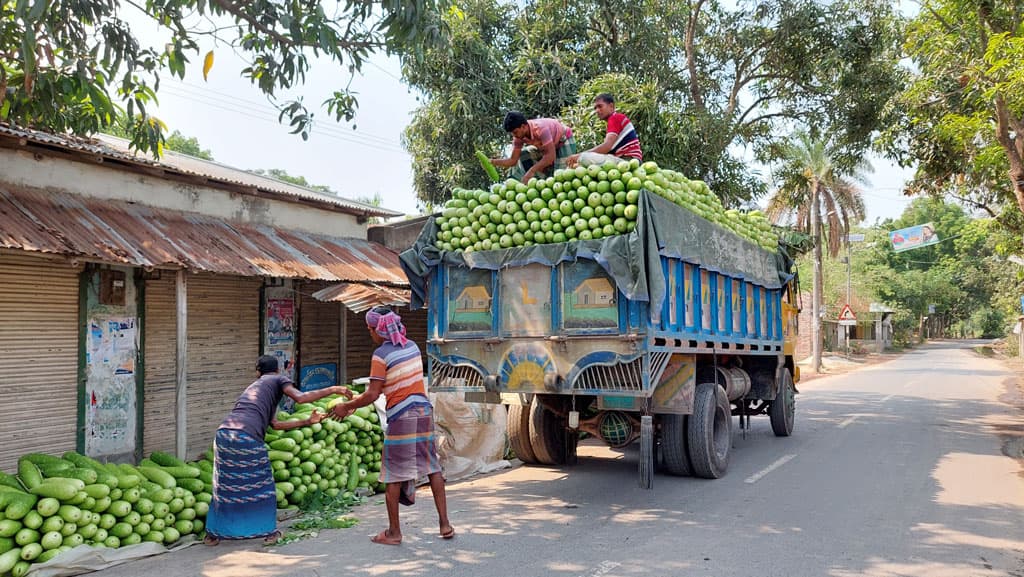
{"x":551,"y":141}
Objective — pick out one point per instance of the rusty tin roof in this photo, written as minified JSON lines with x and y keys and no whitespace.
{"x":120,"y":232}
{"x":361,"y":297}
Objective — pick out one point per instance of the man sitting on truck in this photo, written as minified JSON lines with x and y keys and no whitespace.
{"x":620,"y":142}
{"x":548,"y":144}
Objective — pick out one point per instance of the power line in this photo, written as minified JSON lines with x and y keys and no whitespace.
{"x":382,"y":69}
{"x":207,"y":96}
{"x":213,"y":100}
{"x":326,"y":134}
{"x":322,"y":131}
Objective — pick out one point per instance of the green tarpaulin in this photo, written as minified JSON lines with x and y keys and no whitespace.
{"x":632,"y":260}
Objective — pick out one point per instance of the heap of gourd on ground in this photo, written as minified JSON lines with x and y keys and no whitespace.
{"x":56,"y":503}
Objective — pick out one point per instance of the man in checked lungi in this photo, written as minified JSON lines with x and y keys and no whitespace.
{"x":396,"y":371}
{"x":244,"y":502}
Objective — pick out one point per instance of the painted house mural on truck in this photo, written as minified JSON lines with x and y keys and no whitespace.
{"x":474,"y":299}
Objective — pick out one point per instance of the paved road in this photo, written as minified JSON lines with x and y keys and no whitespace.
{"x":893,"y":470}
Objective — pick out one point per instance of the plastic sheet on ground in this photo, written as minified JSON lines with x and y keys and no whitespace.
{"x":86,"y":559}
{"x":471,"y":436}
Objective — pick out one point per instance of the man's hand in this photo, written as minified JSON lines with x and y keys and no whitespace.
{"x":573,"y":160}
{"x":341,"y":410}
{"x":316,"y":417}
{"x":343,"y":391}
{"x":526,"y":177}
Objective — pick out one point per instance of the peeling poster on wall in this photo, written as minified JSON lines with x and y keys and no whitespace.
{"x":111,"y":358}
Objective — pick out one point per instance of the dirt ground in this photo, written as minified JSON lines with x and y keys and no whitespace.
{"x":1013,"y":395}
{"x":839,"y":363}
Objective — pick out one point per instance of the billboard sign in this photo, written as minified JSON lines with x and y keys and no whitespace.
{"x":913,"y":237}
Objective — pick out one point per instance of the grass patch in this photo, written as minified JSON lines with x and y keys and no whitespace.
{"x":985,"y":351}
{"x":318,"y":513}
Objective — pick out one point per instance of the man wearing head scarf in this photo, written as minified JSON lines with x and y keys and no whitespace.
{"x":396,"y":371}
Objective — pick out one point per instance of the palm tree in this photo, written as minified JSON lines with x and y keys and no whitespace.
{"x":812,"y":177}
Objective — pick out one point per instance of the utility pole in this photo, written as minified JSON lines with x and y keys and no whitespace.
{"x":850,"y":238}
{"x":849,"y":264}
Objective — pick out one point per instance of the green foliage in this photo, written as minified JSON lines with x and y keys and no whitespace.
{"x":811,"y":164}
{"x":177,"y":141}
{"x":319,"y":512}
{"x":78,"y":66}
{"x":283,"y":176}
{"x":957,"y":118}
{"x":189,"y":145}
{"x":967,"y":278}
{"x":709,"y":80}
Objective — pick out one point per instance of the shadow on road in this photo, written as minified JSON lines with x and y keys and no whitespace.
{"x":868,"y":498}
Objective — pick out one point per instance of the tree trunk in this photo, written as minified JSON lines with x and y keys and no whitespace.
{"x":1006,"y":123}
{"x":816,"y":340}
{"x":690,"y":45}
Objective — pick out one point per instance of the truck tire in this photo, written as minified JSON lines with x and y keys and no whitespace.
{"x":547,"y":435}
{"x":782,"y":411}
{"x":709,"y":431}
{"x":674,"y":454}
{"x":519,"y":433}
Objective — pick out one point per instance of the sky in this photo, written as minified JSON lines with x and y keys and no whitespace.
{"x":232,"y":119}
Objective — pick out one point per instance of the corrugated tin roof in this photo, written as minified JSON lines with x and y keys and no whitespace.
{"x":118,"y":148}
{"x":127,"y":233}
{"x":361,"y":297}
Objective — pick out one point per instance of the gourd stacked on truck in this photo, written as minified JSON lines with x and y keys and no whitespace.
{"x":582,"y":203}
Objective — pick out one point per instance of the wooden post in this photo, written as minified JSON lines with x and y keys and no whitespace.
{"x":1020,"y":338}
{"x":343,"y":345}
{"x":181,"y":367}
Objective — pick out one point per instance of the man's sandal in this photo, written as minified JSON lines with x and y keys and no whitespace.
{"x":385,"y":538}
{"x":272,"y":538}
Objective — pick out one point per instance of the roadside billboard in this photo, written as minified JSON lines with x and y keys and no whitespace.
{"x":913,"y":237}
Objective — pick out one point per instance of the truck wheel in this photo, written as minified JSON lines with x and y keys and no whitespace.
{"x":673,"y":445}
{"x":709,"y":431}
{"x":782,"y":411}
{"x":519,"y":433}
{"x":547,"y":435}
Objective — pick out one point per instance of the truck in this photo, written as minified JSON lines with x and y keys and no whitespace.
{"x":661,"y":335}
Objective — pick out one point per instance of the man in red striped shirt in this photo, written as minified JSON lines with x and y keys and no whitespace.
{"x":620,"y":142}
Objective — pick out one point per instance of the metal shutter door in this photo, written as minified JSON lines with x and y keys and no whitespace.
{"x":319,"y":329}
{"x":38,"y":357}
{"x":159,"y":354}
{"x":223,"y":345}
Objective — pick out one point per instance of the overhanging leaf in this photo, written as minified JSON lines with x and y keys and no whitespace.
{"x":207,"y":64}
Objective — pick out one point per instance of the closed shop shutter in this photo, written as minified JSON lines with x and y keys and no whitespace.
{"x":319,"y":330}
{"x":416,"y":326}
{"x":358,"y":346}
{"x":223,"y":345}
{"x":38,"y":357}
{"x":159,"y":359}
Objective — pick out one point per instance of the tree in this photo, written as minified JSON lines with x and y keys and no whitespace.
{"x":77,"y":66}
{"x":966,"y":272}
{"x":189,"y":145}
{"x":812,"y":179}
{"x":960,"y":118}
{"x":176,"y":141}
{"x":283,"y":176}
{"x":719,"y":79}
